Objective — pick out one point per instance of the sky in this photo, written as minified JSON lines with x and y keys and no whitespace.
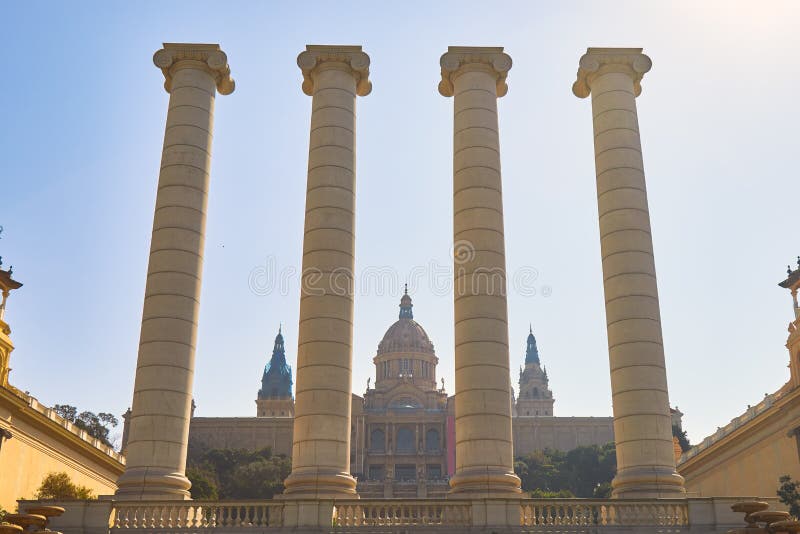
{"x":83,"y":118}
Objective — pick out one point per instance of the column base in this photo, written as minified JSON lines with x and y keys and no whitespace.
{"x":657,"y":482}
{"x":320,"y":485}
{"x":486,"y":482}
{"x":152,"y":483}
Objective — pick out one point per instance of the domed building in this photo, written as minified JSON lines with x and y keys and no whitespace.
{"x":400,"y":446}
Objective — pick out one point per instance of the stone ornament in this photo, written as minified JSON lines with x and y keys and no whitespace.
{"x":175,"y":56}
{"x":343,"y":57}
{"x":598,"y":61}
{"x":459,"y":59}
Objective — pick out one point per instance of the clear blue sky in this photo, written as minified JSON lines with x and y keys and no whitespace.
{"x":83,"y":117}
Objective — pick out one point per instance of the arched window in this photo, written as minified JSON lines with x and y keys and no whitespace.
{"x":405,"y":440}
{"x":377,"y":440}
{"x":535,"y":393}
{"x":432,"y":441}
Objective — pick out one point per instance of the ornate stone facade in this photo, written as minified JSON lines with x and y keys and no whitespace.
{"x":400,"y":443}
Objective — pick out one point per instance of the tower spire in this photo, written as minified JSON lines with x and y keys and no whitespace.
{"x":276,"y":382}
{"x":531,"y":352}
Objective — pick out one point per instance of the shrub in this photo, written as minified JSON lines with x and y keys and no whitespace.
{"x":59,"y":486}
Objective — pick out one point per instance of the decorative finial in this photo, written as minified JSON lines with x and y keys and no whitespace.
{"x":280,"y":327}
{"x":406,"y":285}
{"x":10,"y":270}
{"x":530,"y":328}
{"x":788,"y":269}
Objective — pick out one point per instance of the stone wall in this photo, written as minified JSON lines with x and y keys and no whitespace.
{"x":560,"y":433}
{"x":530,"y":433}
{"x":250,"y":433}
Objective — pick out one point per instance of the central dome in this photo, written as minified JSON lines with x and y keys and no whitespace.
{"x":405,"y":335}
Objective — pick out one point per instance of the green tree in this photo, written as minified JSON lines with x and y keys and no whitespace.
{"x":683,"y":439}
{"x":602,"y":491}
{"x":204,"y":483}
{"x":59,"y":486}
{"x":96,"y":425}
{"x":236,"y":473}
{"x":542,"y":494}
{"x":789,"y":494}
{"x":580,"y":471}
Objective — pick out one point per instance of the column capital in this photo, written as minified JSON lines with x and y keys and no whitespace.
{"x":460,"y":59}
{"x":333,"y":56}
{"x":598,"y":61}
{"x":175,"y":56}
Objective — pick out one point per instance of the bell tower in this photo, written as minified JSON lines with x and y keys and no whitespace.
{"x":792,"y":283}
{"x":535,"y":398}
{"x":7,"y":284}
{"x":275,"y":396}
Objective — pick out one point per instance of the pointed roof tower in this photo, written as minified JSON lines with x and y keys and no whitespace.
{"x":276,"y":382}
{"x":532,"y":352}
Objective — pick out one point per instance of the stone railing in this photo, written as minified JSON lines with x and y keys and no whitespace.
{"x":51,"y":414}
{"x":736,"y":423}
{"x":579,"y":512}
{"x":391,"y":513}
{"x":165,"y":516}
{"x":443,"y":516}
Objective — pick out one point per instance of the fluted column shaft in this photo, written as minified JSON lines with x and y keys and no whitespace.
{"x":642,"y":422}
{"x":334,"y":76}
{"x":484,"y":450}
{"x":162,"y":397}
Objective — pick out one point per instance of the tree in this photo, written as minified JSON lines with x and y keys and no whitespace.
{"x":683,"y":440}
{"x":789,"y":494}
{"x":204,"y":483}
{"x":66,"y":411}
{"x":236,"y":473}
{"x":560,"y":494}
{"x":59,"y":486}
{"x":96,"y":425}
{"x":583,"y":472}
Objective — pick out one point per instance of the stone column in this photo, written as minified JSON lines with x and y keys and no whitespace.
{"x":484,"y":456}
{"x":642,"y":423}
{"x":162,"y":393}
{"x":333,"y":76}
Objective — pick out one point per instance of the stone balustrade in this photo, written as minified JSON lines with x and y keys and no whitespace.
{"x":603,"y":513}
{"x":165,"y":516}
{"x":696,"y":515}
{"x":392,"y":513}
{"x":736,"y":423}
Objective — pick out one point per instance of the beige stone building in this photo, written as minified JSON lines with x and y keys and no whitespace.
{"x":35,"y":441}
{"x":750,"y":454}
{"x":403,"y":426}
